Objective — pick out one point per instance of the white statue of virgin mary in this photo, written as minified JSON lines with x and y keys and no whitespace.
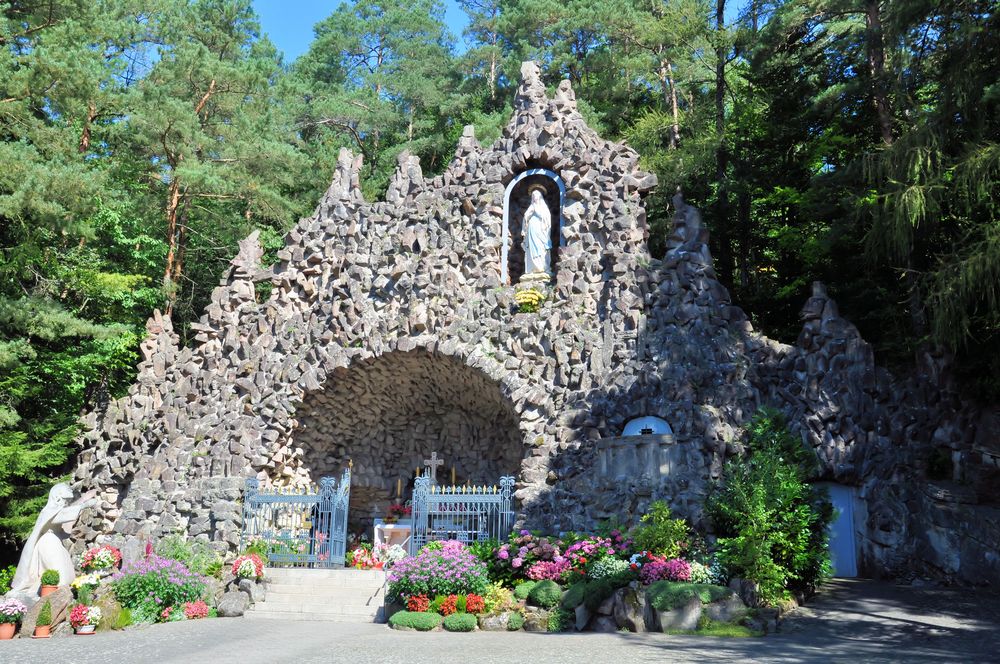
{"x":44,"y":548}
{"x":537,"y":230}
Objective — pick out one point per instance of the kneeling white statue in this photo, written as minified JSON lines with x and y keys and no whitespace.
{"x":44,"y":548}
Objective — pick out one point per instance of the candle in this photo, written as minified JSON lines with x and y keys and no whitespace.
{"x":399,"y":487}
{"x":416,"y":473}
{"x":453,"y":475}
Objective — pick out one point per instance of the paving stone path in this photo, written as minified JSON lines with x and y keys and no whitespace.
{"x":851,"y":621}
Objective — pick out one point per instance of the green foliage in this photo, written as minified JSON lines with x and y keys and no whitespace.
{"x":590,"y":593}
{"x":421,"y":621}
{"x":497,"y":599}
{"x":460,"y":622}
{"x":522,"y":589}
{"x":157,"y":579}
{"x":197,"y":555}
{"x":114,"y":617}
{"x":561,"y":620}
{"x":515,"y":621}
{"x":6,"y":577}
{"x":44,"y":615}
{"x":660,"y":534}
{"x":772,"y":524}
{"x":545,"y":594}
{"x":669,"y":595}
{"x":50,"y":577}
{"x":719,"y":629}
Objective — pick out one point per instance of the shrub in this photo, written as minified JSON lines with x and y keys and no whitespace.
{"x":514,"y":559}
{"x":669,"y":595}
{"x":451,"y":569}
{"x":422,"y":622}
{"x":258,"y":547}
{"x":417,"y":603}
{"x":701,"y":573}
{"x":548,"y":569}
{"x":660,"y":534}
{"x":475,"y":603}
{"x":522,"y":590}
{"x":44,"y":615}
{"x":147,"y":586}
{"x":561,"y":620}
{"x":197,"y":555}
{"x":574,"y":595}
{"x":675,"y":569}
{"x":460,"y":622}
{"x":497,"y":599}
{"x":545,"y":594}
{"x":515,"y":621}
{"x":772,"y":523}
{"x":595,"y":592}
{"x":449,"y":605}
{"x":6,"y":576}
{"x":610,"y":568}
{"x":50,"y":577}
{"x":485,"y":550}
{"x":585,"y":553}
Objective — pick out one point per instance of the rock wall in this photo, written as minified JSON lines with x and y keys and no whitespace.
{"x":389,"y":333}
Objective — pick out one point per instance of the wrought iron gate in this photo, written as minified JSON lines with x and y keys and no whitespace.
{"x":299,"y":527}
{"x":467,"y":514}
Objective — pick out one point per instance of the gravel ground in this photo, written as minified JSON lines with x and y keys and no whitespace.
{"x":850,"y":621}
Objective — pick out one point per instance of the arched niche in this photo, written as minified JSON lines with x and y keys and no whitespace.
{"x":515,"y":202}
{"x":647,"y":426}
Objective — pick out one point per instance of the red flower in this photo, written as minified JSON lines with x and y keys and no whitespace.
{"x":449,"y":605}
{"x":474,"y":603}
{"x":418,"y":603}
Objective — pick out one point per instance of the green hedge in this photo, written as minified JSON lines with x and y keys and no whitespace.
{"x":521,"y":590}
{"x":420,"y":621}
{"x":515,"y":621}
{"x":460,"y":622}
{"x":545,"y":594}
{"x":668,"y":595}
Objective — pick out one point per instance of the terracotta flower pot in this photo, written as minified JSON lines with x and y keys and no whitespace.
{"x":42,"y":631}
{"x":48,"y":590}
{"x":7,"y":631}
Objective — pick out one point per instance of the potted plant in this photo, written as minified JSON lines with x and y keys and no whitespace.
{"x":50,"y":582}
{"x":84,"y":619}
{"x":11,"y":612}
{"x":396,"y":512}
{"x":44,"y":622}
{"x":248,"y":566}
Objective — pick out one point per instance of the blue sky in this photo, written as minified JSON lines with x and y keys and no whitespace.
{"x":289,"y":23}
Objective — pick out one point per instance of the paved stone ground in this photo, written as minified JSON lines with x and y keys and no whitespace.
{"x":851,"y":621}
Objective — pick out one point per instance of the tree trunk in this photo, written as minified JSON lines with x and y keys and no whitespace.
{"x":173,"y":202}
{"x":88,"y":120}
{"x":875,"y":49}
{"x":725,"y":259}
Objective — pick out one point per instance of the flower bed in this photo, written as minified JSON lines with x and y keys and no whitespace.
{"x":149,"y":586}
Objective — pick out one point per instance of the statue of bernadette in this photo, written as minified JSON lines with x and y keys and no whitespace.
{"x":537,"y":231}
{"x":44,"y":548}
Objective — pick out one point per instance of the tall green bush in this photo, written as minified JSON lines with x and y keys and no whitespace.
{"x":772,"y":524}
{"x":661,"y":534}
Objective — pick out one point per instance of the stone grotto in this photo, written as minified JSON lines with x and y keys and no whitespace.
{"x":391,"y":330}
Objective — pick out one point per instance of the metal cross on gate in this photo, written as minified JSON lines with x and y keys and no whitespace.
{"x":432,"y":464}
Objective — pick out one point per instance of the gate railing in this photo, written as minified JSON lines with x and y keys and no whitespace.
{"x":304,"y":527}
{"x":467,"y":514}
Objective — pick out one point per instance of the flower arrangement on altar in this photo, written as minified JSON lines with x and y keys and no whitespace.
{"x":397,"y":511}
{"x":529,"y":300}
{"x":100,"y":558}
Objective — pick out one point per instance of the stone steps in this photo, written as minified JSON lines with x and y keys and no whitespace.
{"x":334,"y":595}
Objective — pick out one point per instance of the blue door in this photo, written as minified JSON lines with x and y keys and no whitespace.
{"x":843,"y":548}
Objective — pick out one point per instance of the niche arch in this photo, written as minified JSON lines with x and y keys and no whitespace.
{"x":505,"y":271}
